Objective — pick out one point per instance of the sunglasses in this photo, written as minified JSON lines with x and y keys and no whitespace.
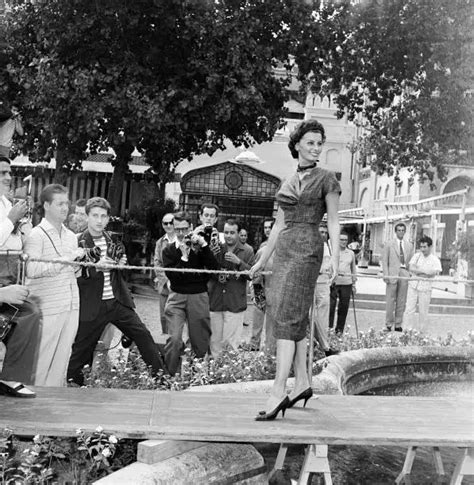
{"x":167,"y":223}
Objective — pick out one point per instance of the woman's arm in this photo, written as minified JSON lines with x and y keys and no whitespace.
{"x":270,"y":246}
{"x":332,"y":208}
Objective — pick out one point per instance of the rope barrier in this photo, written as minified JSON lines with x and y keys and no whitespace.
{"x":122,"y":267}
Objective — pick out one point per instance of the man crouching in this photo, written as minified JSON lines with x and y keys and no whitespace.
{"x":105,"y":297}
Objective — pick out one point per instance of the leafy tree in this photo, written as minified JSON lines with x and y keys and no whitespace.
{"x":403,"y":69}
{"x":172,"y":79}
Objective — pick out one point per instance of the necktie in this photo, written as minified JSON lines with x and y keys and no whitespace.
{"x":402,"y":255}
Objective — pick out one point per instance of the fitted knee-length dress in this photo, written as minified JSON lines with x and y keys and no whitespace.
{"x":299,"y":250}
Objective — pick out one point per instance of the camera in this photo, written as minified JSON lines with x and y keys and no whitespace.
{"x":206,"y":233}
{"x":187,"y":239}
{"x":115,"y":251}
{"x":92,"y":255}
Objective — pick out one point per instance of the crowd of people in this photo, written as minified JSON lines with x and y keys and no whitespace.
{"x":302,"y":274}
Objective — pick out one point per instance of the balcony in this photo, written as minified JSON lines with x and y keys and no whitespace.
{"x":403,"y":198}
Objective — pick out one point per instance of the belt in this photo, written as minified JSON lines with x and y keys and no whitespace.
{"x":402,"y":266}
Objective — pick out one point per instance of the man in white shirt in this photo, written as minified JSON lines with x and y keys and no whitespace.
{"x":321,"y":297}
{"x":343,"y":285}
{"x":422,"y":265}
{"x":54,"y":285}
{"x":162,"y":282}
{"x":22,"y":340}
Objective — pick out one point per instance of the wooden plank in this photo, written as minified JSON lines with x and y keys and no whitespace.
{"x":188,"y":416}
{"x":154,"y":451}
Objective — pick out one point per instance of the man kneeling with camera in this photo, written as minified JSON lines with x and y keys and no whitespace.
{"x":105,"y":297}
{"x":188,"y":300}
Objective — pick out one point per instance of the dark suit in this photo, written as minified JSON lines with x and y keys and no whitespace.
{"x":96,"y":313}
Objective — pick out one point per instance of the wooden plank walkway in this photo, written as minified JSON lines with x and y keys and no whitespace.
{"x":200,"y":416}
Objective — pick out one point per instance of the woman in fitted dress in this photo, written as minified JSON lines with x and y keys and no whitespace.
{"x":303,"y":200}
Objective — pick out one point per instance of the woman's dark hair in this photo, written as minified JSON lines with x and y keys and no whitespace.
{"x":48,"y":192}
{"x":301,"y":130}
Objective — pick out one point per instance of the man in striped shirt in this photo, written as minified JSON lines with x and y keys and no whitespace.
{"x":105,"y":297}
{"x":53,"y":285}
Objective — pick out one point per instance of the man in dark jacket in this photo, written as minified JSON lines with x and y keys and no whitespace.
{"x":228,"y":293}
{"x":105,"y":298}
{"x":188,"y":300}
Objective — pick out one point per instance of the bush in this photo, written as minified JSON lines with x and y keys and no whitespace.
{"x":83,"y":459}
{"x":244,"y":366}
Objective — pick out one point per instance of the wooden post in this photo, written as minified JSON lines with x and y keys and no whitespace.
{"x":404,"y":476}
{"x":280,"y":460}
{"x":465,"y":466}
{"x":315,"y":461}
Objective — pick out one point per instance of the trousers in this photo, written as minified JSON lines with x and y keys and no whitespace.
{"x":343,"y":293}
{"x":89,"y":332}
{"x":423,"y":299}
{"x":226,"y":329}
{"x":57,"y":336}
{"x":163,"y":299}
{"x":193,"y":309}
{"x":396,"y":299}
{"x":321,"y":313}
{"x":22,"y":344}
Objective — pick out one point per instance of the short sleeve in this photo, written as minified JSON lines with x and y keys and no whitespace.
{"x":331,"y":184}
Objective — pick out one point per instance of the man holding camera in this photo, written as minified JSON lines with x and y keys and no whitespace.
{"x":104,"y":296}
{"x":9,"y":125}
{"x":188,"y":300}
{"x":21,"y":331}
{"x":227,"y":292}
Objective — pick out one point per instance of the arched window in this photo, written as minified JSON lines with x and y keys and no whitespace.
{"x":363,"y":201}
{"x":387,"y":188}
{"x":379,"y":193}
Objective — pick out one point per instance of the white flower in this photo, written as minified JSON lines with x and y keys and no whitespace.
{"x":99,"y":429}
{"x":113,"y":439}
{"x":106,"y":452}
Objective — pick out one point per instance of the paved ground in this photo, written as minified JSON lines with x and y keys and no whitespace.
{"x":440,"y":325}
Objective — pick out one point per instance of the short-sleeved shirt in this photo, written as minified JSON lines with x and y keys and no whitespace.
{"x":428,"y":264}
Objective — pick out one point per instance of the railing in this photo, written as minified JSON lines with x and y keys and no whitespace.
{"x":403,"y":198}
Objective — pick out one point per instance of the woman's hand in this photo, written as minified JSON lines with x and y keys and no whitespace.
{"x":256,"y":268}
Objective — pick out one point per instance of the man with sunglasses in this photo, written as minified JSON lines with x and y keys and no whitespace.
{"x":162,"y":282}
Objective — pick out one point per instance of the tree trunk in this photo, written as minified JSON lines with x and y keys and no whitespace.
{"x":123,"y":153}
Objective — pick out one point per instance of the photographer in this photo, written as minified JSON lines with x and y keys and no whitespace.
{"x":8,"y":128}
{"x":21,"y":340}
{"x":104,"y":297}
{"x":228,"y":293}
{"x":188,"y":300}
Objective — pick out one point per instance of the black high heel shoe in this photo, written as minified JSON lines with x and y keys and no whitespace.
{"x":306,"y":394}
{"x":264,"y":416}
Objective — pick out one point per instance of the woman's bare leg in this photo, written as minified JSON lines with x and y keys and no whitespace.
{"x":301,"y":375}
{"x":285,"y":354}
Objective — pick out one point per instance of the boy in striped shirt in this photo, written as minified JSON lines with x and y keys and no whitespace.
{"x":105,"y":297}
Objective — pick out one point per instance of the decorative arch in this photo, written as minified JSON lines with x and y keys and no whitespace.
{"x":458,"y":183}
{"x":363,"y":202}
